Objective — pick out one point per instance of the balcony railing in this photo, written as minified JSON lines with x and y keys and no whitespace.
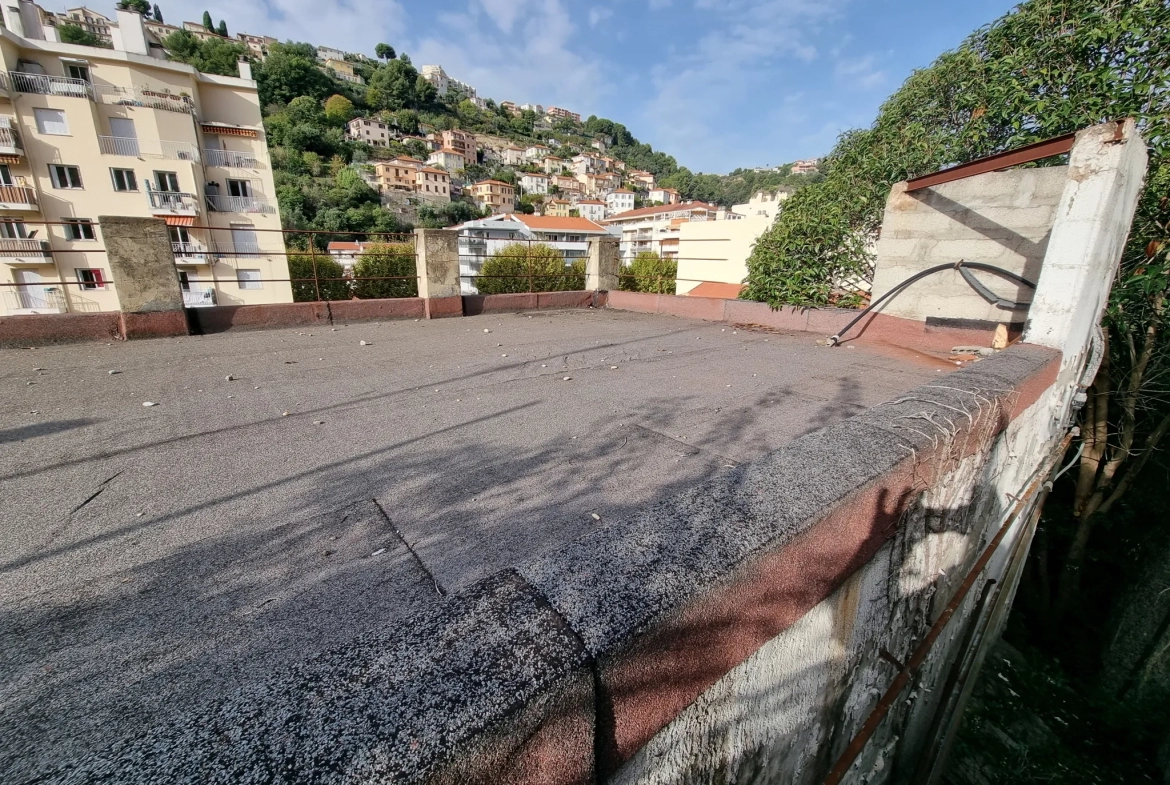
{"x":147,"y":148}
{"x":239,"y":204}
{"x":189,"y":253}
{"x":10,"y":141}
{"x":231,"y":159}
{"x":223,"y":249}
{"x":23,"y":246}
{"x":17,"y":197}
{"x":23,"y":299}
{"x":44,"y":84}
{"x":198,"y":298}
{"x":173,"y":202}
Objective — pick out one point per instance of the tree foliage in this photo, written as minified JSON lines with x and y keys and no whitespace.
{"x":649,"y":272}
{"x":529,"y":267}
{"x":384,"y":52}
{"x":207,"y":23}
{"x":338,"y":110}
{"x":138,"y":6}
{"x":328,"y":279}
{"x":213,"y":56}
{"x":222,"y":29}
{"x":290,"y":71}
{"x":75,"y":34}
{"x":386,"y":270}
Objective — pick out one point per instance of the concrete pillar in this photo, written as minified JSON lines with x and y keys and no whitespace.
{"x":437,"y":260}
{"x":603,"y":265}
{"x":1106,"y":169}
{"x":142,"y":265}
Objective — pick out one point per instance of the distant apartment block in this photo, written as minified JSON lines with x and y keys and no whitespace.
{"x":257,"y":44}
{"x":762,"y":203}
{"x":397,"y":174}
{"x":556,"y":113}
{"x":533,"y":183}
{"x":641,"y":180}
{"x":593,"y":209}
{"x":558,"y":207}
{"x":122,"y":133}
{"x":325,"y":53}
{"x":535,"y":152}
{"x":806,"y":166}
{"x":494,"y":195}
{"x":510,"y":108}
{"x":646,"y":229}
{"x":620,"y":201}
{"x":433,"y":184}
{"x":553,"y":165}
{"x":459,"y":141}
{"x":664,"y":195}
{"x":512,"y":156}
{"x":451,"y":160}
{"x":444,"y":84}
{"x":371,"y":131}
{"x":536,"y":109}
{"x":202,"y":33}
{"x":88,"y":20}
{"x":340,"y":69}
{"x":479,"y":239}
{"x":566,"y":183}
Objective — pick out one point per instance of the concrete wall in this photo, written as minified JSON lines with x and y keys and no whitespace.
{"x":998,"y":218}
{"x":143,"y":265}
{"x":717,"y":250}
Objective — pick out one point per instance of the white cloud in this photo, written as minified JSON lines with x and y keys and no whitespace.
{"x":349,"y":25}
{"x":598,"y":14}
{"x":862,"y":72}
{"x":504,"y":12}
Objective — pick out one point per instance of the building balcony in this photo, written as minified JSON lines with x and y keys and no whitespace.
{"x":24,"y":247}
{"x":32,"y":300}
{"x":198,"y":298}
{"x":18,"y":197}
{"x":172,"y":203}
{"x":147,"y":148}
{"x":43,"y":84}
{"x":231,"y":159}
{"x":189,"y":253}
{"x":239,"y":204}
{"x":10,"y":141}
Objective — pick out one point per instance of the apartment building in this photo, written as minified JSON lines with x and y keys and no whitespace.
{"x":646,"y":228}
{"x":90,"y":131}
{"x":481,"y":238}
{"x":494,"y":195}
{"x":433,"y":184}
{"x":88,"y":20}
{"x":762,"y":203}
{"x":444,"y":84}
{"x":202,"y":33}
{"x":593,"y":209}
{"x":553,"y":165}
{"x":326,"y":53}
{"x":536,"y":109}
{"x":566,"y":184}
{"x":664,"y":195}
{"x":716,"y":252}
{"x":510,"y":108}
{"x":806,"y":166}
{"x":340,"y":69}
{"x":397,"y":174}
{"x":257,"y":44}
{"x":369,"y":130}
{"x":533,"y":183}
{"x":641,"y":180}
{"x":448,"y":158}
{"x":459,"y":141}
{"x":620,"y":201}
{"x":535,"y":152}
{"x":558,"y":207}
{"x":556,"y":113}
{"x":512,"y":156}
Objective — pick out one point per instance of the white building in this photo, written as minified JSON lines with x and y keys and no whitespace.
{"x":647,"y":229}
{"x":445,"y":84}
{"x":329,"y":53}
{"x":762,"y":203}
{"x":535,"y":152}
{"x":620,"y":201}
{"x":368,"y":130}
{"x":451,"y":160}
{"x":593,"y":209}
{"x":533,"y":183}
{"x":481,"y":238}
{"x":664,"y":195}
{"x":513,"y":156}
{"x":712,"y":255}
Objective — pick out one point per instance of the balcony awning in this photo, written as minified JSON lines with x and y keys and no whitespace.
{"x":9,"y":159}
{"x":228,"y":130}
{"x":179,"y":220}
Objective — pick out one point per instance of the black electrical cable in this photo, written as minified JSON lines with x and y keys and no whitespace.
{"x":960,"y":265}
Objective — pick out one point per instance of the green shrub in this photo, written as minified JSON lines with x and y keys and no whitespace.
{"x":385,"y":262}
{"x":649,"y":273}
{"x":529,"y":267}
{"x":300,"y":266}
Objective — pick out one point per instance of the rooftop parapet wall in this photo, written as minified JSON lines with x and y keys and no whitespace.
{"x":998,"y":218}
{"x":562,"y":670}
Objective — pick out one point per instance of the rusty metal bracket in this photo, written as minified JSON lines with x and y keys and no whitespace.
{"x":992,"y":163}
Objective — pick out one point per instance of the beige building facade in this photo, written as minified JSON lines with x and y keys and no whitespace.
{"x":93,"y":132}
{"x":494,"y":195}
{"x":716,"y":251}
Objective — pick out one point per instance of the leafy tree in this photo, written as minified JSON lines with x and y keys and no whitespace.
{"x":450,"y":214}
{"x":138,"y":6}
{"x":74,"y":34}
{"x":207,"y":23}
{"x":529,"y":267}
{"x":158,"y":17}
{"x":328,"y":280}
{"x":213,"y":56}
{"x":397,"y":81}
{"x":288,"y":72}
{"x":338,"y":110}
{"x":384,"y":52}
{"x":649,"y":273}
{"x":222,"y":29}
{"x":388,"y":270}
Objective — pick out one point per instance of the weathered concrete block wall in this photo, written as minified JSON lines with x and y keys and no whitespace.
{"x":999,"y":218}
{"x":142,"y":263}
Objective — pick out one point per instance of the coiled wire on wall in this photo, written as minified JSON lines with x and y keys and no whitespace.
{"x":964,"y":269}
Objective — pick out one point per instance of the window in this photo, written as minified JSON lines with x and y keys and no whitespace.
{"x":51,"y":122}
{"x":249,"y":279}
{"x":91,"y":279}
{"x":65,"y":176}
{"x":239,"y":188}
{"x":5,"y":175}
{"x":179,"y":234}
{"x":77,"y":70}
{"x":167,"y":181}
{"x":184,"y":281}
{"x":79,"y":229}
{"x":13,"y":230}
{"x":124,"y":179}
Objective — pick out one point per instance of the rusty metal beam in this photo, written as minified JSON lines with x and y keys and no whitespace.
{"x":1021,"y":155}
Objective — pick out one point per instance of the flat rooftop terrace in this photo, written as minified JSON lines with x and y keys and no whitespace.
{"x":158,"y":557}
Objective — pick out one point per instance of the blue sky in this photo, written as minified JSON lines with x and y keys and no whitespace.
{"x":719,"y":84}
